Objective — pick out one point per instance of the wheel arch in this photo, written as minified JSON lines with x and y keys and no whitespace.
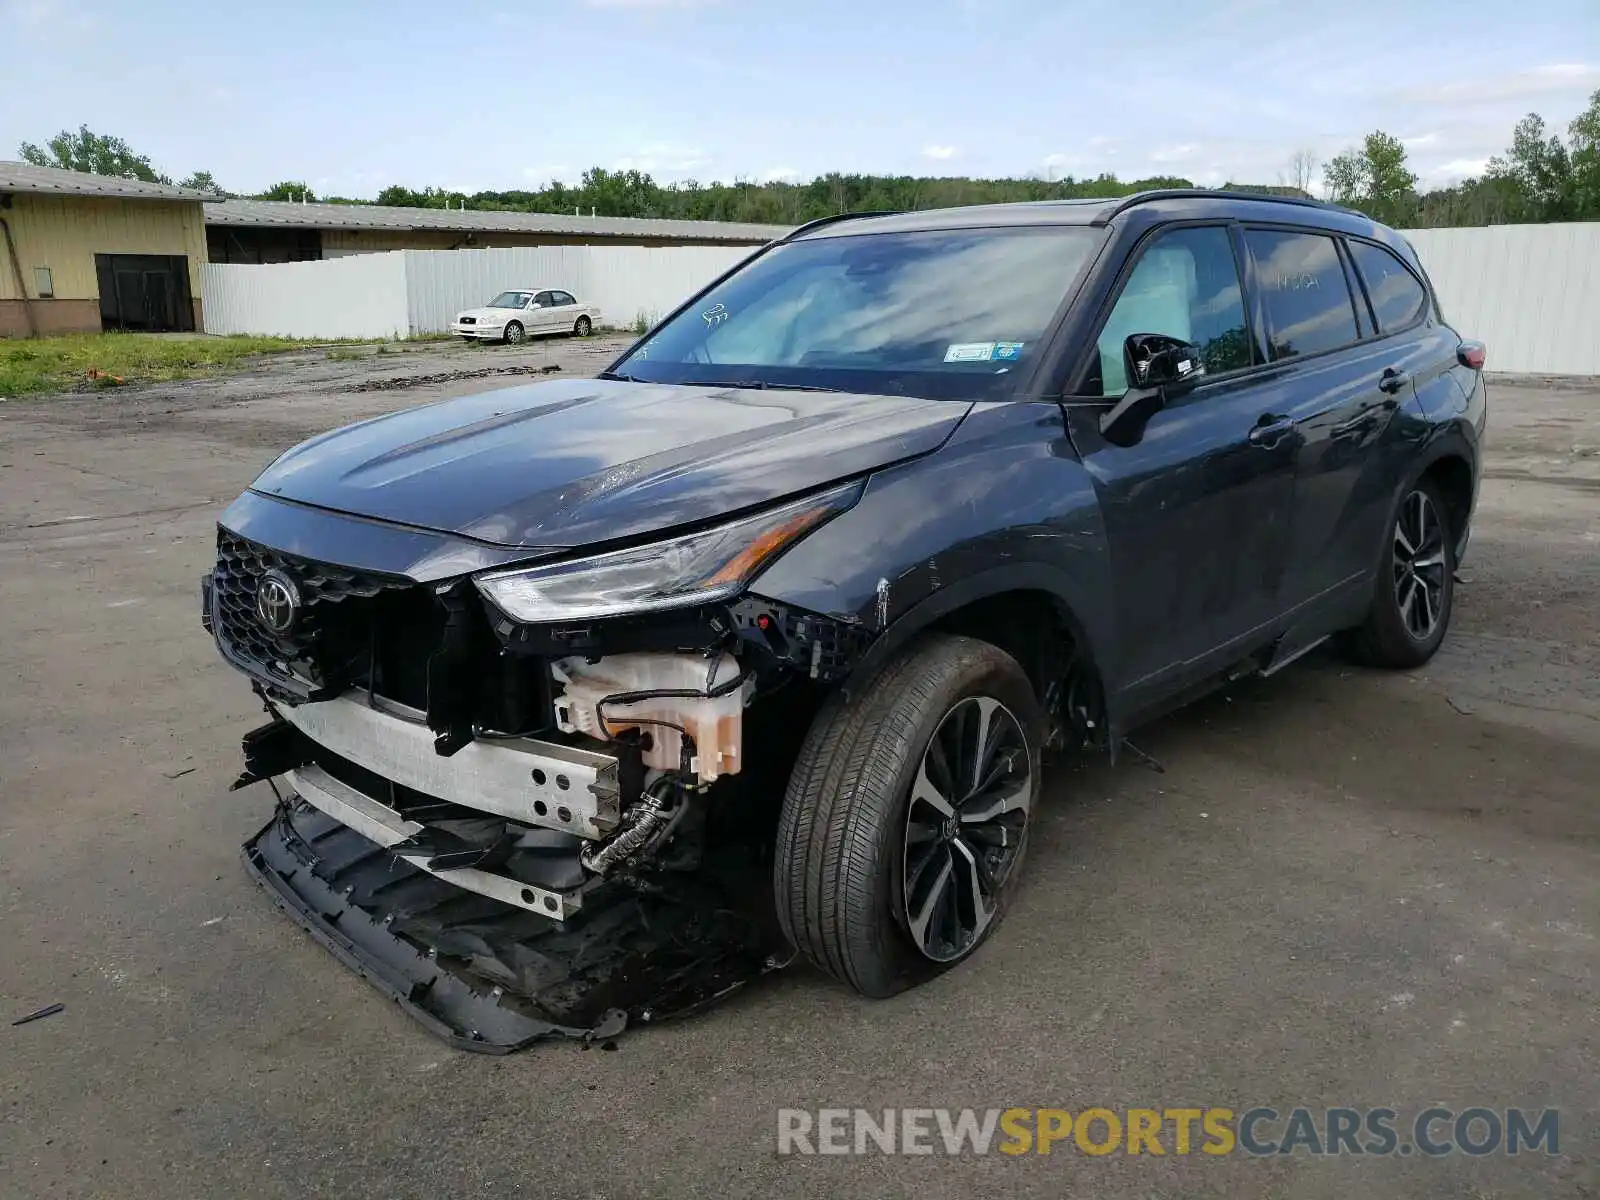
{"x":1028,"y":610}
{"x":1450,"y":463}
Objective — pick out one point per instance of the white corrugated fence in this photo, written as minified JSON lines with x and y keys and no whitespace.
{"x":1531,"y":292}
{"x":363,"y":296}
{"x":625,"y":281}
{"x":403,"y":293}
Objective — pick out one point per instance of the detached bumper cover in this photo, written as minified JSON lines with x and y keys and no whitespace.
{"x":489,"y":977}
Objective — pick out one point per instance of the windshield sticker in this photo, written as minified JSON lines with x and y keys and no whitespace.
{"x":715,"y":315}
{"x":1008,"y":351}
{"x":969,"y":352}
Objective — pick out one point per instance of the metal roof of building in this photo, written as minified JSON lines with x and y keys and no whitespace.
{"x":288,"y":214}
{"x":25,"y":177}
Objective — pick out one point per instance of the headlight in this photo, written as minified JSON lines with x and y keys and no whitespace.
{"x":698,"y":568}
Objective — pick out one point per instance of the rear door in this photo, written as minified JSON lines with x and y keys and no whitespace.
{"x":565,"y":313}
{"x":1343,"y":382}
{"x":1197,"y":510}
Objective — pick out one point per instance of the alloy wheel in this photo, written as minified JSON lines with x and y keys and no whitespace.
{"x":1419,"y":566}
{"x":515,"y":334}
{"x":965,"y":825}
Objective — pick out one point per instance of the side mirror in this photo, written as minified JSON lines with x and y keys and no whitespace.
{"x":1158,"y":361}
{"x":1158,"y":368}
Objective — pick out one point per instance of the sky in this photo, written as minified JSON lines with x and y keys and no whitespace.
{"x":501,"y":94}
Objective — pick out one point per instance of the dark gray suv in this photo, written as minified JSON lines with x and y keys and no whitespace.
{"x":598,"y":697}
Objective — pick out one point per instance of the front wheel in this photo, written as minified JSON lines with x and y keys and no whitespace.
{"x":906,"y":818}
{"x":515,"y":333}
{"x":584,"y":327}
{"x":1414,"y":592}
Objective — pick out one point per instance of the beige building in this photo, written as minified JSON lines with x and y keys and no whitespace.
{"x":265,"y":231}
{"x":82,"y":253}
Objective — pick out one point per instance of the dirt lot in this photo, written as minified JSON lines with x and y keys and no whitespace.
{"x":1347,"y":888}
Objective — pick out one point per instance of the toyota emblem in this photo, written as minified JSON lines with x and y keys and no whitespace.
{"x":277,"y":602}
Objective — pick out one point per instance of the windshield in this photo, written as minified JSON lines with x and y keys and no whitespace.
{"x":946,"y":313}
{"x":511,"y":300}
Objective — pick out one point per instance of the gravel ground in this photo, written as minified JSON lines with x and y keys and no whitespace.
{"x":1347,"y":889}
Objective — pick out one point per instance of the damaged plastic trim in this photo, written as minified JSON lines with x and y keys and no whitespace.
{"x":440,"y":1001}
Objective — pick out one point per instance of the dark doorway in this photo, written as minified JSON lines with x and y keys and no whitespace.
{"x":147,"y":292}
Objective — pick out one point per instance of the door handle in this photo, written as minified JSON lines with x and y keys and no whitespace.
{"x":1393,"y":380}
{"x":1270,"y":430}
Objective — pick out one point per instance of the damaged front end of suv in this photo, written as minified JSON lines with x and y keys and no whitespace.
{"x":518,"y":799}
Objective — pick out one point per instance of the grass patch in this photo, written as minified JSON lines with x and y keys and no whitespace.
{"x":88,"y":360}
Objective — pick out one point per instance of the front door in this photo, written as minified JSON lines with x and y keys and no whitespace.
{"x":540,"y":318}
{"x":1198,"y":510}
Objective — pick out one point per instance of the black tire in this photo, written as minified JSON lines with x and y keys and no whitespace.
{"x":849,"y":817}
{"x":515,"y":334}
{"x":583,"y":328}
{"x":1413,"y":581}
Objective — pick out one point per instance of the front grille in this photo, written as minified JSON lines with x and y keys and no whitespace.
{"x":378,"y":633}
{"x":469,"y":320}
{"x":331,"y":641}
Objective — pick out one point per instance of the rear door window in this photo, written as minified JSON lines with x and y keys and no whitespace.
{"x":1303,"y":290}
{"x":1397,"y":296}
{"x":1185,"y":285}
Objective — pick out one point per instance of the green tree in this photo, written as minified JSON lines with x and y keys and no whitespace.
{"x":1584,"y":153}
{"x":201,"y":181}
{"x":1539,"y":171}
{"x":292,"y":189}
{"x":94,"y":153}
{"x":1374,"y":179}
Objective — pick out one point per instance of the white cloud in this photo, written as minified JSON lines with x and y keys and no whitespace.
{"x":940,"y":153}
{"x":47,"y":17}
{"x":649,"y":4}
{"x":667,"y":157}
{"x":543,"y":173}
{"x":1454,"y":171}
{"x":1513,"y":85}
{"x":1421,"y":141}
{"x":33,"y":12}
{"x":780,"y":175}
{"x":1173,"y":154}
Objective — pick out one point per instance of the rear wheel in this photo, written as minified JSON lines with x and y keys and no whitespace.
{"x":1415,"y":589}
{"x":584,"y":327}
{"x":515,"y":333}
{"x":906,"y":818}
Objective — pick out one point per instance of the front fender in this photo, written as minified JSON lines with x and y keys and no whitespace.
{"x":1004,"y":506}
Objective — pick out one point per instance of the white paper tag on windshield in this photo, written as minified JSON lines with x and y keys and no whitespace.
{"x":969,"y":352}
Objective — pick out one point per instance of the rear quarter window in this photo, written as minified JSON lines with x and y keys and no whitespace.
{"x":1303,"y":290}
{"x":1397,"y":296}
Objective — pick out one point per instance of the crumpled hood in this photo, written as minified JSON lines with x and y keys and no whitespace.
{"x":575,"y":462}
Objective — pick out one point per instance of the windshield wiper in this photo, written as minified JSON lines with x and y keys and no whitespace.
{"x":619,"y":377}
{"x":764,"y":385}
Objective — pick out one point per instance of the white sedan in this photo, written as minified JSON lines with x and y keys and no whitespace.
{"x":517,"y":315}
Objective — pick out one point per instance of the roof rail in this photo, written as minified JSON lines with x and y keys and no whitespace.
{"x":835,"y":219}
{"x":1138,"y":198}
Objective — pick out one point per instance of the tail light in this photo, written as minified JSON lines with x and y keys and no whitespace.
{"x":1472,"y":354}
